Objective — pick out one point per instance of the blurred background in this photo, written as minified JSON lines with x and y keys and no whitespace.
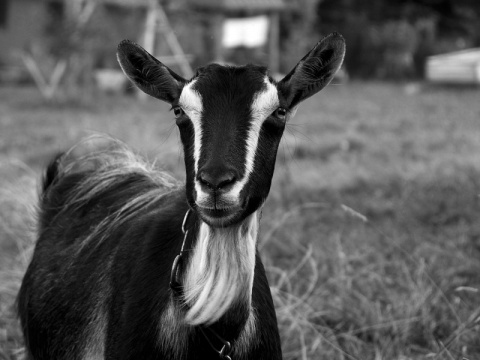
{"x":371,"y":233}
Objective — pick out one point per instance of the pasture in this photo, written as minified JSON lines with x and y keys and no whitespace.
{"x":371,"y":233}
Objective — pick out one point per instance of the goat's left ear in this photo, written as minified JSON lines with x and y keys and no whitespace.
{"x":148,"y":73}
{"x":314,"y":71}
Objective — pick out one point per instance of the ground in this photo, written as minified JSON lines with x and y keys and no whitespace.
{"x":371,"y":233}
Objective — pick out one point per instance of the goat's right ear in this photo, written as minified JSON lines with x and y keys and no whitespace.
{"x":149,"y":74}
{"x":314,"y":71}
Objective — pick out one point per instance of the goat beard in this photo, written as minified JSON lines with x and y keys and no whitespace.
{"x":221,"y":271}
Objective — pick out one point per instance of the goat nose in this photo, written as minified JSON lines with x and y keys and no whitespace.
{"x":216,"y":179}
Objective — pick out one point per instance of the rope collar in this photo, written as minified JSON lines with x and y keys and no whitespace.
{"x":176,"y":286}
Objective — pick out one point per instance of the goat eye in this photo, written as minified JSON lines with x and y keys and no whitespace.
{"x":178,"y":112}
{"x":280,"y":113}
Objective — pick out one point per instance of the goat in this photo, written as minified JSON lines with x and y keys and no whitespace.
{"x":130,"y":264}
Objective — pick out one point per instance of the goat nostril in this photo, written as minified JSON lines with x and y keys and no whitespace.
{"x":205,"y":179}
{"x":217,"y":182}
{"x":226,"y":180}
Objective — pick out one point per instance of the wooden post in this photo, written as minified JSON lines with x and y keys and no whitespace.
{"x":216,"y":32}
{"x":150,"y":27}
{"x":173,"y":43}
{"x":149,"y":36}
{"x":77,"y":15}
{"x":48,"y":86}
{"x":274,"y":43}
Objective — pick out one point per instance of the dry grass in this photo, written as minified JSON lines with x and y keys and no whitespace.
{"x":371,"y":234}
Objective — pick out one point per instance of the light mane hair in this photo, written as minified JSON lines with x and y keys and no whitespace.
{"x":109,"y":163}
{"x":221,"y":270}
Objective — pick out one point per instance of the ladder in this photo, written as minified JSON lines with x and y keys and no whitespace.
{"x":157,"y":23}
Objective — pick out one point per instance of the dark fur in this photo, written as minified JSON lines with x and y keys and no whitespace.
{"x":228,"y":122}
{"x":110,"y":225}
{"x":123,"y":270}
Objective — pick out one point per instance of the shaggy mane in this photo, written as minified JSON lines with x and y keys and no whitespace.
{"x":100,"y":168}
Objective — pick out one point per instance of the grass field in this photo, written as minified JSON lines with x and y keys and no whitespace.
{"x":371,"y":233}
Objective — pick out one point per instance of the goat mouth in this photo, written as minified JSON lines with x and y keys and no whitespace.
{"x":220,"y":217}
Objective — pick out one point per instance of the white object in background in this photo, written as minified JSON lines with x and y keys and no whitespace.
{"x":248,"y":32}
{"x":459,"y":67}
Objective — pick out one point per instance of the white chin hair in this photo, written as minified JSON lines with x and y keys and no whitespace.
{"x":220,"y":272}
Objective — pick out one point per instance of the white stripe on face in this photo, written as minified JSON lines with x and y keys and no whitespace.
{"x":191,"y":102}
{"x":264,"y":103}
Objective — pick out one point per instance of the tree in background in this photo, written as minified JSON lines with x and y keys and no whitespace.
{"x":60,"y":58}
{"x":297,"y":31}
{"x":392,"y":38}
{"x":81,"y":36}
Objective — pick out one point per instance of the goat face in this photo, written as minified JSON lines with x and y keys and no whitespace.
{"x":231,"y":120}
{"x":227,"y":116}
